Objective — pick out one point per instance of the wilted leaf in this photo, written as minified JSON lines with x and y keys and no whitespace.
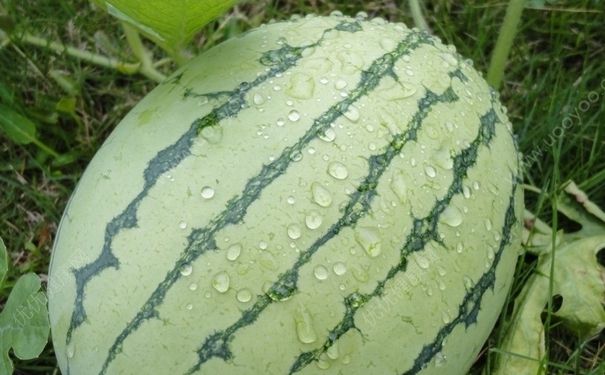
{"x":171,"y":23}
{"x":17,"y":127}
{"x":578,"y":282}
{"x":24,"y":322}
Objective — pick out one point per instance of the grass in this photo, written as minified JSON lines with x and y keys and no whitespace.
{"x":555,"y":68}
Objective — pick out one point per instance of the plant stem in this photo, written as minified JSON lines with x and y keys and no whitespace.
{"x":504,"y":43}
{"x":419,"y":19}
{"x":90,"y":57}
{"x":141,"y":53}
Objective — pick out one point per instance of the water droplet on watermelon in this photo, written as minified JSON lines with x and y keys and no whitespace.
{"x":369,"y":240}
{"x":302,"y":86}
{"x":304,"y":325}
{"x":313,"y":220}
{"x":332,"y":351}
{"x":294,"y":231}
{"x":440,"y":359}
{"x":207,"y":192}
{"x":280,"y":122}
{"x":213,"y":134}
{"x":320,"y":272}
{"x":258,"y":99}
{"x":459,"y":248}
{"x":323,"y":364}
{"x":490,"y":253}
{"x":445,"y":317}
{"x":329,"y":135}
{"x":324,"y":81}
{"x":70,"y":350}
{"x":451,"y":216}
{"x":321,"y":195}
{"x":189,"y":307}
{"x":296,"y":157}
{"x":263,"y":245}
{"x":340,"y":84}
{"x":234,"y":251}
{"x":352,"y":113}
{"x":294,"y":115}
{"x":221,"y":281}
{"x":339,"y":268}
{"x":466,"y":192}
{"x":244,"y":295}
{"x":422,"y":262}
{"x":468,"y":283}
{"x":399,"y":187}
{"x":476,"y":185}
{"x":338,"y":170}
{"x":291,"y":200}
{"x":183,"y":225}
{"x":488,"y":224}
{"x":186,"y":270}
{"x":360,"y":274}
{"x":430,"y":171}
{"x":388,"y":44}
{"x":193,"y":287}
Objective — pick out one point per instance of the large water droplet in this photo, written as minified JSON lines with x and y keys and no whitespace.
{"x":451,"y":216}
{"x":339,"y":268}
{"x":234,"y":251}
{"x":258,"y":99}
{"x":388,"y":44}
{"x":207,"y":192}
{"x":313,"y":220}
{"x":422,"y":262}
{"x":70,"y":350}
{"x":213,"y":134}
{"x":304,"y":325}
{"x":340,"y":84}
{"x":321,"y":195}
{"x":369,"y":240}
{"x":186,"y":270}
{"x":352,"y":113}
{"x":294,"y":231}
{"x":302,"y":86}
{"x":183,"y":225}
{"x":338,"y":170}
{"x":399,"y":187}
{"x":329,"y":135}
{"x":320,"y":272}
{"x":244,"y":295}
{"x":294,"y":115}
{"x":360,"y":274}
{"x":221,"y":281}
{"x":430,"y":171}
{"x":488,"y":224}
{"x":332,"y":351}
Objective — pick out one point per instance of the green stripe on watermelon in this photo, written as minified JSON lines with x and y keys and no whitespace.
{"x":424,"y":230}
{"x":217,"y":345}
{"x":203,"y":239}
{"x":278,"y":61}
{"x":469,"y":308}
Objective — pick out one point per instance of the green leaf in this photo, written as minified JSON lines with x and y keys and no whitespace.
{"x":18,"y":128}
{"x":24,"y":322}
{"x":3,"y":262}
{"x":170,"y":23}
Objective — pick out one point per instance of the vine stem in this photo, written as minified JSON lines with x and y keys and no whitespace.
{"x":504,"y":43}
{"x":417,"y":15}
{"x":93,"y":58}
{"x":147,"y":67}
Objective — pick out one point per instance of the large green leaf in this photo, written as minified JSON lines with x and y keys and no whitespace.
{"x":171,"y":23}
{"x":24,"y":322}
{"x":17,"y":127}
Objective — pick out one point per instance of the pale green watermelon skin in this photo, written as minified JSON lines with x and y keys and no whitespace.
{"x":366,"y":175}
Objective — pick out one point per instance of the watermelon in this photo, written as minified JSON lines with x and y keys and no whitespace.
{"x":323,"y":195}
